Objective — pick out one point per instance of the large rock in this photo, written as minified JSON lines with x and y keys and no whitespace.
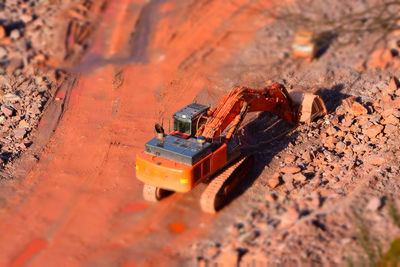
{"x":376,"y":160}
{"x":330,"y":142}
{"x":20,"y":133}
{"x":353,"y":107}
{"x":290,"y":169}
{"x":8,"y":111}
{"x":373,"y":130}
{"x":15,"y":34}
{"x":381,"y":58}
{"x":391,"y":119}
{"x":274,"y":181}
{"x":11,"y":97}
{"x":299,"y":177}
{"x":391,"y":129}
{"x":23,"y":124}
{"x":290,"y":158}
{"x":374,"y":204}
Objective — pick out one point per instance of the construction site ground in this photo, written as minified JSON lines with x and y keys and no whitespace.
{"x":69,"y":195}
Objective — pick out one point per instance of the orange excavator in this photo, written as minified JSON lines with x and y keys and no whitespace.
{"x":202,"y":147}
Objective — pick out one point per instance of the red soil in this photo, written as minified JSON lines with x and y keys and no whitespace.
{"x":82,"y":204}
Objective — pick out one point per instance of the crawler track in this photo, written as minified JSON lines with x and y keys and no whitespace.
{"x":225,"y":185}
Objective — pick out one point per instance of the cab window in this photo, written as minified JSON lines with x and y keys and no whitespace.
{"x":182,"y":126}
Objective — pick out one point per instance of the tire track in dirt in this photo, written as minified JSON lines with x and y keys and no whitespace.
{"x":75,"y":196}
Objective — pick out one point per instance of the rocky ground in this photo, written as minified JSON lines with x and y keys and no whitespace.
{"x":38,"y":41}
{"x":322,"y":193}
{"x":329,"y":187}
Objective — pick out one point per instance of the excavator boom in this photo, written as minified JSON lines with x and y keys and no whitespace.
{"x":241,"y":100}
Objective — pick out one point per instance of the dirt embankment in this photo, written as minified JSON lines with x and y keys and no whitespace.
{"x":38,"y":42}
{"x":82,"y":200}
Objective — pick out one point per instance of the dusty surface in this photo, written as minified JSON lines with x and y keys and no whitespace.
{"x":81,"y":204}
{"x":82,"y":201}
{"x":32,"y":66}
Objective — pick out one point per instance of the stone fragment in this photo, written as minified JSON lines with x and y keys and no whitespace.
{"x":394,"y":84}
{"x":366,"y":125}
{"x":11,"y":97}
{"x":274,"y":181}
{"x":380,"y":58}
{"x":26,"y":18}
{"x":389,"y":112}
{"x":391,"y":120}
{"x":290,"y":158}
{"x":390,"y":129}
{"x":353,"y":107}
{"x":376,"y":160}
{"x":330,"y":142}
{"x":359,"y":148}
{"x":290,"y":169}
{"x":299,"y":177}
{"x":15,"y":34}
{"x":373,"y":204}
{"x":375,"y":118}
{"x":39,"y":58}
{"x":8,"y":111}
{"x":340,"y":146}
{"x":288,"y":179}
{"x":19,"y":133}
{"x":34,"y":110}
{"x":306,"y":156}
{"x":249,"y":236}
{"x":373,"y":130}
{"x":289,"y":217}
{"x":331,"y":131}
{"x":346,"y":122}
{"x":14,"y":64}
{"x":23,"y":124}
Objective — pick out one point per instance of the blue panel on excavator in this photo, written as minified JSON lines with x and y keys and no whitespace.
{"x":186,"y":151}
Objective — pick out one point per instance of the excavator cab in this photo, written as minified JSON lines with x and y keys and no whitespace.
{"x":188,"y":120}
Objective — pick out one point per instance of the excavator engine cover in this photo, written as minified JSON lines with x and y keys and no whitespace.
{"x":186,"y":151}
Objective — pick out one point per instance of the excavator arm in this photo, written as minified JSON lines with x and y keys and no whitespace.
{"x":234,"y":107}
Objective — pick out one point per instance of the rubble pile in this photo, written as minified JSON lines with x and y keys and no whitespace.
{"x":30,"y":64}
{"x":321,"y":186}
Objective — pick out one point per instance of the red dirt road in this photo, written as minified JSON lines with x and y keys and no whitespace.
{"x":81,"y":204}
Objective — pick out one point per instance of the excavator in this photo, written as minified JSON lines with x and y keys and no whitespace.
{"x":202,"y":147}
